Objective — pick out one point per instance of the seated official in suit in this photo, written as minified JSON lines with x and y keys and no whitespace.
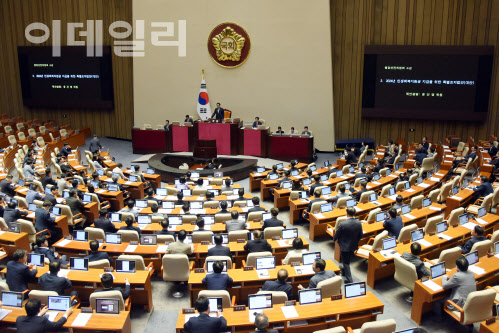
{"x":348,"y":234}
{"x":107,"y":282}
{"x":180,"y":198}
{"x":18,"y":272}
{"x":217,"y":280}
{"x":129,"y":208}
{"x":321,"y":274}
{"x":235,"y":224}
{"x":273,"y":221}
{"x":75,"y":204}
{"x":227,"y":187}
{"x":350,"y":157}
{"x":199,"y":225}
{"x":280,"y":284}
{"x":200,"y":185}
{"x":7,"y":187}
{"x":103,"y":222}
{"x":361,"y":174}
{"x":286,"y":178}
{"x":256,"y":205}
{"x":394,"y":224}
{"x":341,"y":194}
{"x":188,"y":119}
{"x":484,"y":189}
{"x":257,"y":122}
{"x":212,"y":165}
{"x":204,"y":323}
{"x":414,"y":259}
{"x":392,"y":157}
{"x":363,"y":188}
{"x":167,"y":125}
{"x":425,"y":144}
{"x":476,"y":236}
{"x":44,"y":221}
{"x":32,"y":194}
{"x":219,"y":249}
{"x":262,"y":323}
{"x":398,"y":202}
{"x":292,"y":131}
{"x":129,"y":225}
{"x":471,"y":156}
{"x":179,"y":246}
{"x":51,"y":282}
{"x":219,"y":113}
{"x":43,"y":248}
{"x":50,"y":197}
{"x":273,"y":171}
{"x":297,"y":186}
{"x":279,"y":131}
{"x":47,"y":179}
{"x":317,"y":198}
{"x":257,"y":244}
{"x":223,"y":208}
{"x":164,"y":231}
{"x":11,"y":213}
{"x":317,"y":182}
{"x":95,"y":254}
{"x":306,"y":131}
{"x":298,"y":249}
{"x":36,"y":322}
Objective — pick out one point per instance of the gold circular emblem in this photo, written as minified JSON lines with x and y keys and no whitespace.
{"x":229,"y":45}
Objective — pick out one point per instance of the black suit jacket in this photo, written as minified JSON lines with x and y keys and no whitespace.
{"x":166,"y":232}
{"x":188,"y":120}
{"x":94,"y":256}
{"x":348,"y":234}
{"x":75,"y":205}
{"x":393,"y":226}
{"x":65,"y":151}
{"x":219,"y":250}
{"x":7,"y":188}
{"x":277,"y":285}
{"x":48,"y":180}
{"x":52,"y":282}
{"x":256,"y":209}
{"x":18,"y":276}
{"x":51,"y":198}
{"x":217,"y":281}
{"x":105,"y":225}
{"x":125,"y":293}
{"x":12,"y":214}
{"x":218,"y":113}
{"x":205,"y":324}
{"x":484,"y":189}
{"x":37,"y":324}
{"x":131,"y":228}
{"x":312,"y":188}
{"x":272,"y":222}
{"x":44,"y":221}
{"x":351,"y":158}
{"x":46,"y":252}
{"x":257,"y":245}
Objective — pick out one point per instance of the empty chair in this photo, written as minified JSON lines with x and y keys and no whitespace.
{"x":211,"y":204}
{"x":140,"y":265}
{"x":222,"y":217}
{"x":482,"y":247}
{"x":405,"y":273}
{"x":103,"y":263}
{"x":72,"y":220}
{"x":21,"y":202}
{"x":342,"y":202}
{"x":316,"y":206}
{"x":371,"y":218}
{"x":176,"y":268}
{"x":417,"y":202}
{"x":331,"y":286}
{"x":385,"y":191}
{"x":365,"y":196}
{"x":124,"y":305}
{"x":29,"y":228}
{"x":427,"y":165}
{"x":198,"y":191}
{"x":21,"y":136}
{"x":128,"y":236}
{"x":454,"y":216}
{"x":449,"y":256}
{"x":373,"y":244}
{"x":270,"y":232}
{"x":165,"y":238}
{"x":238,"y":234}
{"x":95,"y":233}
{"x":445,"y":191}
{"x":405,"y":233}
{"x":278,"y":297}
{"x":32,"y":132}
{"x":251,"y":259}
{"x":255,"y":216}
{"x":477,"y":308}
{"x":379,"y":326}
{"x":227,"y":302}
{"x":201,"y":236}
{"x":43,"y":129}
{"x":482,"y":202}
{"x":431,"y":224}
{"x":400,"y":186}
{"x":63,"y":132}
{"x":413,"y":179}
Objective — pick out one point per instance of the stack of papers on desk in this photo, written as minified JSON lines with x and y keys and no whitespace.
{"x":434,"y":179}
{"x":51,"y":315}
{"x":435,"y":208}
{"x":319,"y":216}
{"x":142,"y":226}
{"x":171,"y":198}
{"x":263,"y":273}
{"x":393,"y":197}
{"x":424,"y":242}
{"x":64,"y":242}
{"x":439,"y":174}
{"x":377,"y":183}
{"x":128,"y":182}
{"x":389,"y":253}
{"x":409,"y":216}
{"x":162,"y":249}
{"x":424,"y":185}
{"x":470,"y":225}
{"x":304,"y":201}
{"x":4,"y":313}
{"x":289,"y":311}
{"x":283,"y":242}
{"x":479,"y":220}
{"x":392,"y":175}
{"x":165,"y":211}
{"x":189,"y":316}
{"x":444,"y":236}
{"x":306,"y":269}
{"x":477,"y":270}
{"x":432,"y":285}
{"x":410,"y":190}
{"x":200,"y":198}
{"x":172,"y":227}
{"x":131,"y":248}
{"x":357,"y":209}
{"x":455,"y":197}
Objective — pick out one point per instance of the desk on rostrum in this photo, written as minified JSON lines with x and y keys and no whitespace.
{"x":351,"y":312}
{"x":248,"y":282}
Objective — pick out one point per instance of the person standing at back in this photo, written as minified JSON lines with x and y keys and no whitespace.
{"x":94,"y":144}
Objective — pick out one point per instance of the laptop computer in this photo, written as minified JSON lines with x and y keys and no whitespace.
{"x":32,"y":207}
{"x":125,"y":266}
{"x":310,"y":296}
{"x":325,"y":208}
{"x":214,"y":303}
{"x":208,"y":219}
{"x":107,"y":306}
{"x":187,"y":192}
{"x":12,"y":299}
{"x":389,"y":243}
{"x":150,"y":171}
{"x":265,"y":262}
{"x":141,"y":203}
{"x":442,"y":227}
{"x":326,"y":191}
{"x":309,"y":258}
{"x":306,"y":181}
{"x":260,"y":169}
{"x":113,"y":238}
{"x":405,"y":209}
{"x":59,"y":303}
{"x":463,"y":219}
{"x":259,"y":301}
{"x":437,"y":270}
{"x":209,"y":265}
{"x":351,"y":203}
{"x":196,"y":205}
{"x":36,"y":259}
{"x":144,"y":219}
{"x":81,"y":236}
{"x":161,"y":192}
{"x":168,"y":204}
{"x":112,"y":188}
{"x":426,"y":202}
{"x":174,"y":220}
{"x":148,"y":239}
{"x":225,"y":238}
{"x":273,"y":176}
{"x":115,"y":217}
{"x":472,"y":257}
{"x":266,"y":216}
{"x":417,"y":235}
{"x":79,"y":264}
{"x":291,"y":233}
{"x":355,"y":289}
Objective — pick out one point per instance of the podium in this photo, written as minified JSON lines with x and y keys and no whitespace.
{"x":205,"y":149}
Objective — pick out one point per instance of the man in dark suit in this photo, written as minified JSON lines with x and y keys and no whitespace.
{"x":11,"y":213}
{"x":103,"y":222}
{"x":351,"y":158}
{"x":317,"y":198}
{"x":425,"y":143}
{"x":2,"y":208}
{"x":394,"y":224}
{"x":471,"y":156}
{"x":165,"y":224}
{"x":75,"y":204}
{"x":94,"y":144}
{"x":51,"y":282}
{"x":341,"y":194}
{"x":279,"y":131}
{"x":212,"y":165}
{"x":280,"y":284}
{"x":35,"y":322}
{"x":257,"y":122}
{"x":398,"y":202}
{"x":51,"y":196}
{"x":47,"y":179}
{"x":129,"y":225}
{"x":476,"y":236}
{"x":167,"y":125}
{"x":107,"y":282}
{"x":363,"y":188}
{"x":95,"y":254}
{"x":6,"y":186}
{"x":219,"y":249}
{"x":306,"y":131}
{"x":273,"y":221}
{"x":217,"y":280}
{"x":492,"y":149}
{"x":348,"y":234}
{"x":262,"y":323}
{"x":319,"y":268}
{"x":43,"y":248}
{"x":188,"y":119}
{"x":219,"y":113}
{"x":284,"y":179}
{"x":204,"y":323}
{"x":361,"y":174}
{"x":18,"y":272}
{"x":32,"y":194}
{"x":66,"y":150}
{"x":44,"y":221}
{"x":223,"y":208}
{"x":235,"y":223}
{"x":257,"y":244}
{"x":317,"y":182}
{"x":484,"y":189}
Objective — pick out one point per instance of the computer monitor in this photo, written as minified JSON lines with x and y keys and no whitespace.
{"x":148,"y":239}
{"x":48,"y":190}
{"x":472,"y":257}
{"x":187,"y":192}
{"x":133,"y":179}
{"x":209,"y":265}
{"x":279,"y":166}
{"x":14,"y":227}
{"x":107,"y":306}
{"x":426,"y":202}
{"x":208,"y":219}
{"x":125,"y":266}
{"x":355,"y":289}
{"x":496,"y":247}
{"x":260,"y":169}
{"x":442,"y":227}
{"x":235,"y":191}
{"x":347,"y":186}
{"x":80,"y":235}
{"x":405,"y":209}
{"x":32,"y":207}
{"x":324,"y":177}
{"x":388,"y":172}
{"x":326,"y":190}
{"x":389,"y":243}
{"x":175,"y":220}
{"x":286,"y":185}
{"x":20,"y":182}
{"x":313,"y":168}
{"x":309,"y":258}
{"x":339,"y":173}
{"x":162,"y":192}
{"x":141,"y":203}
{"x":419,"y":180}
{"x":295,"y":173}
{"x":291,"y":233}
{"x":115,"y":217}
{"x":187,"y":240}
{"x":196,"y":205}
{"x":437,"y":270}
{"x":417,"y":235}
{"x":100,"y":172}
{"x":150,"y":171}
{"x":463,"y":219}
{"x":455,"y":189}
{"x":194,"y":174}
{"x":376,"y":177}
{"x":218,"y":174}
{"x":113,"y":238}
{"x":59,"y":303}
{"x":260,"y":301}
{"x":482,"y":211}
{"x":407,"y":185}
{"x":144,"y":219}
{"x":12,"y":299}
{"x":309,"y":296}
{"x":112,"y":188}
{"x":87,"y":198}
{"x":325,"y":208}
{"x":94,"y":184}
{"x":351,"y":169}
{"x":168,"y":204}
{"x":306,"y":181}
{"x":266,"y":216}
{"x":36,"y":259}
{"x":381,"y":216}
{"x":265,"y":262}
{"x":392,"y":191}
{"x":79,"y":264}
{"x":351,"y":203}
{"x":225,"y":238}
{"x":215,"y":192}
{"x":56,"y":211}
{"x":302,"y":194}
{"x":273,"y":176}
{"x":214,"y":303}
{"x":373,"y":197}
{"x":326,"y":163}
{"x":132,"y":168}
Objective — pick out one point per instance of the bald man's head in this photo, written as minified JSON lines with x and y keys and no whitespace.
{"x":282,"y":275}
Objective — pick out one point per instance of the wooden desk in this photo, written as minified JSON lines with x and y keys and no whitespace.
{"x":255,"y":178}
{"x":461,"y":199}
{"x":11,"y":242}
{"x":284,"y":147}
{"x":74,"y":140}
{"x":61,"y":221}
{"x":254,"y":142}
{"x":247,"y":282}
{"x":101,"y":322}
{"x":151,"y":141}
{"x":492,"y":328}
{"x":136,"y":189}
{"x":424,"y":296}
{"x":155,"y":180}
{"x":351,"y":312}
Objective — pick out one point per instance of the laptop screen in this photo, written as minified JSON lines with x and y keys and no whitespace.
{"x":218,"y":174}
{"x":249,"y":203}
{"x":389,"y":243}
{"x":351,"y":169}
{"x":225,"y":238}
{"x":405,"y":209}
{"x":59,"y":303}
{"x":309,"y":296}
{"x":326,"y":163}
{"x":289,"y":233}
{"x":417,"y":235}
{"x":407,"y":185}
{"x":215,"y":303}
{"x":32,"y":207}
{"x":168,"y":205}
{"x":437,"y":270}
{"x":392,"y":191}
{"x":410,"y":330}
{"x":141,"y":203}
{"x":150,"y":171}
{"x":100,"y":172}
{"x":107,"y":306}
{"x":257,"y":302}
{"x":266,"y":216}
{"x":309,"y":258}
{"x":187,"y":192}
{"x":373,"y":197}
{"x":273,"y":176}
{"x":472,"y":257}
{"x":144,"y":219}
{"x":463,"y":219}
{"x":208,"y":219}
{"x":306,"y":181}
{"x":376,"y":177}
{"x":36,"y":259}
{"x":187,"y":240}
{"x":313,"y":168}
{"x":148,"y":239}
{"x":56,"y":211}
{"x":196,"y":205}
{"x":339,"y":173}
{"x":133,"y":179}
{"x":12,"y":299}
{"x":426,"y":202}
{"x":80,"y":264}
{"x":265,"y":263}
{"x":482,"y":211}
{"x":326,"y":190}
{"x":324,"y":177}
{"x":287,"y":185}
{"x":355,"y":289}
{"x":81,"y":236}
{"x":209,"y":265}
{"x":94,"y":184}
{"x":496,"y":247}
{"x":351,"y":203}
{"x":115,"y":217}
{"x":87,"y":198}
{"x":302,"y":194}
{"x":328,"y":207}
{"x":442,"y":226}
{"x":215,"y":192}
{"x":48,"y":190}
{"x":175,"y":220}
{"x":260,"y":169}
{"x":295,"y":173}
{"x":113,"y":238}
{"x":14,"y":227}
{"x":381,"y":216}
{"x":125,"y":266}
{"x":194,"y":174}
{"x":162,"y":192}
{"x":455,"y":189}
{"x":112,"y":188}
{"x":419,"y":180}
